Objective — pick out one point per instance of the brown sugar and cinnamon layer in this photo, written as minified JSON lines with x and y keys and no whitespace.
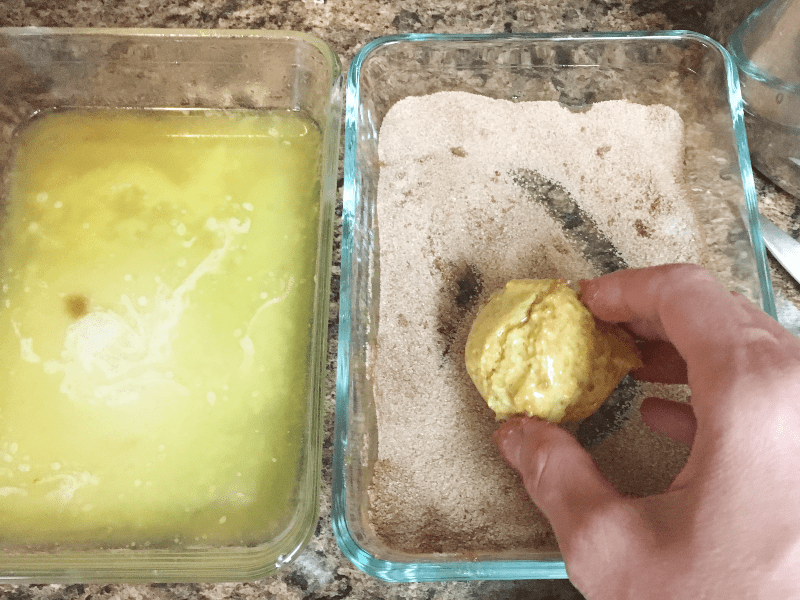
{"x":461,"y":211}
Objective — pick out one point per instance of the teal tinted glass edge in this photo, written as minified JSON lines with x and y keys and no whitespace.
{"x":746,"y":169}
{"x":213,"y":564}
{"x":467,"y":570}
{"x":748,"y":184}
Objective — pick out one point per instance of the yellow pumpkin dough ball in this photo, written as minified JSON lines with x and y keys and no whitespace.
{"x":534,"y":348}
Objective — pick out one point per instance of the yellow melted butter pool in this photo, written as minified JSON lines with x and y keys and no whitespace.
{"x":155,"y":308}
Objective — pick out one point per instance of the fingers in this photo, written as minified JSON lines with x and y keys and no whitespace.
{"x":669,"y":302}
{"x":589,"y":517}
{"x":674,"y":419}
{"x":662,"y":363}
{"x":717,"y":333}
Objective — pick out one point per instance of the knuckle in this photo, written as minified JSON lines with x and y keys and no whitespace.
{"x":689,"y":275}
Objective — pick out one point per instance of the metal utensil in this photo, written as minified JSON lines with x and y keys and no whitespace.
{"x":782,"y":246}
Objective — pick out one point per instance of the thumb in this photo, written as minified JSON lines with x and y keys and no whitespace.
{"x":593,"y":522}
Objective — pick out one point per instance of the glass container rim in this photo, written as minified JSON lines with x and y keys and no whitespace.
{"x":222,"y":563}
{"x":333,"y":62}
{"x":496,"y":569}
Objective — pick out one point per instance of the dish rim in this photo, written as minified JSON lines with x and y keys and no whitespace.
{"x":219,"y":563}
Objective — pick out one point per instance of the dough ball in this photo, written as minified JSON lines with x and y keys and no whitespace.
{"x":534,"y":348}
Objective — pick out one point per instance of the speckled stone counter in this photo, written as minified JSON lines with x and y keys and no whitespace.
{"x":322,"y":572}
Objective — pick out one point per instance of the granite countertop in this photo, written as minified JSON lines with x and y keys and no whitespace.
{"x":321,"y":572}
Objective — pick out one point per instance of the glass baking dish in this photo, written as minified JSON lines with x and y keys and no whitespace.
{"x":683,"y":70}
{"x":221,"y":77}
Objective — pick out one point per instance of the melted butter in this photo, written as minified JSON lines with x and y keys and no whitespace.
{"x":157,"y":288}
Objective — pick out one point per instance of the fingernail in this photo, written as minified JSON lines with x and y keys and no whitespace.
{"x":509,"y":437}
{"x":507,"y":427}
{"x":588,"y":290}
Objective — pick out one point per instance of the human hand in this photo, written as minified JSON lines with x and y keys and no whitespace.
{"x":729,"y":525}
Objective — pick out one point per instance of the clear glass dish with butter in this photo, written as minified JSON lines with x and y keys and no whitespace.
{"x":166,"y":241}
{"x":689,"y":74}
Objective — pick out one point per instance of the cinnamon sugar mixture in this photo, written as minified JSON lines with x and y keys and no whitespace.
{"x":473,"y":192}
